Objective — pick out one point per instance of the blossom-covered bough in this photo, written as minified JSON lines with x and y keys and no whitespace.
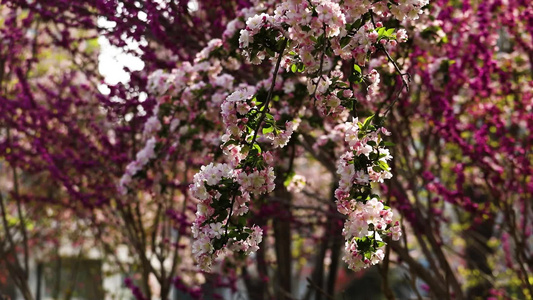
{"x":462,"y":164}
{"x":319,"y":52}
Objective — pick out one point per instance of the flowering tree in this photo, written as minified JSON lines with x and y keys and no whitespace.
{"x":309,"y":46}
{"x":261,"y":152}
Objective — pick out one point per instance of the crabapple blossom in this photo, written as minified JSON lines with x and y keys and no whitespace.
{"x":225,"y":192}
{"x":309,"y":38}
{"x":142,"y":158}
{"x":367,"y":217}
{"x":408,"y":9}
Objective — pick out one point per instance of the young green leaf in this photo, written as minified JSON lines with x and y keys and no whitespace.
{"x":357,"y":68}
{"x":294,"y":68}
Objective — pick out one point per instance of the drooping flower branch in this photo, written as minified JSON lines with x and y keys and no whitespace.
{"x":313,"y":39}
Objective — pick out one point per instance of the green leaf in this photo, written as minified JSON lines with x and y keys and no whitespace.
{"x":367,"y":122}
{"x":218,"y":244}
{"x":279,"y":44}
{"x":373,"y":156}
{"x":357,"y":78}
{"x":222,"y":216}
{"x":381,"y":31}
{"x":242,"y":221}
{"x":357,"y":23}
{"x":345,"y":41}
{"x":294,"y":68}
{"x":269,"y":117}
{"x":258,"y":148}
{"x":357,"y":68}
{"x":267,"y":129}
{"x":253,"y":53}
{"x":383,"y":165}
{"x":230,"y":142}
{"x":305,"y":28}
{"x":270,"y":52}
{"x":243,"y":236}
{"x":342,"y":84}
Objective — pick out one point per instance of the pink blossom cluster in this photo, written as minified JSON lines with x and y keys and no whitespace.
{"x":354,"y":9}
{"x":279,"y":138}
{"x":367,"y":217}
{"x":361,"y":144}
{"x":237,"y":110}
{"x":302,"y":22}
{"x":311,"y":27}
{"x":293,"y":30}
{"x":327,"y":96}
{"x":303,"y":37}
{"x":373,"y":80}
{"x":142,"y":158}
{"x":176,"y":90}
{"x":363,"y":40}
{"x":235,"y":105}
{"x":224,"y":190}
{"x":224,"y":194}
{"x":331,"y":92}
{"x":408,"y":9}
{"x":161,"y":83}
{"x":158,"y":82}
{"x":153,"y":124}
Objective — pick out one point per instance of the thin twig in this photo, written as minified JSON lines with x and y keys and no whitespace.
{"x":229,"y":215}
{"x":405,"y":83}
{"x":319,"y":72}
{"x":319,"y":289}
{"x":270,"y":92}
